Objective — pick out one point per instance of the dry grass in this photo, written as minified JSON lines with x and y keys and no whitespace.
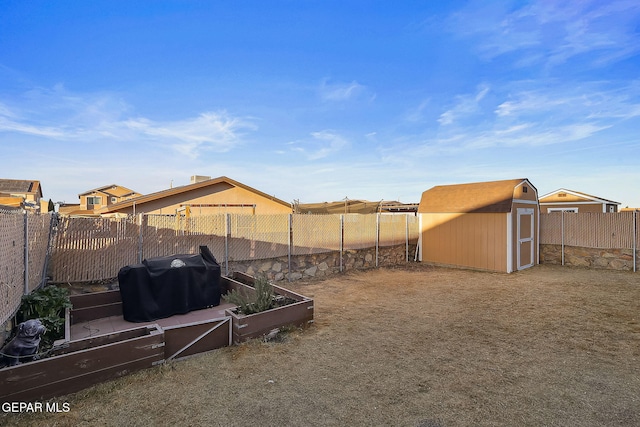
{"x":549,"y":346}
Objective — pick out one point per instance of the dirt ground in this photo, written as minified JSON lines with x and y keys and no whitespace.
{"x":417,"y":346}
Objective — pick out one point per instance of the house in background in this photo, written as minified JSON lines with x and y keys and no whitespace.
{"x":203,"y":196}
{"x":347,"y":206}
{"x":92,"y":200}
{"x":575,"y":201}
{"x":490,"y":226}
{"x":21,"y":193}
{"x":97,"y":198}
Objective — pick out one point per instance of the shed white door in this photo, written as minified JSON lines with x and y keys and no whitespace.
{"x":526,"y":241}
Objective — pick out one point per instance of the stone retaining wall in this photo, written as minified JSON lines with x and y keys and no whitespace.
{"x":302,"y":266}
{"x":613,"y":259}
{"x":324,"y":264}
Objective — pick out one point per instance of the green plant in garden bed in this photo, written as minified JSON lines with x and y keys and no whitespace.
{"x":264,"y":297}
{"x":47,"y":304}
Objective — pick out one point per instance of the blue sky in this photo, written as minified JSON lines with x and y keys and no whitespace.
{"x":321,"y":100}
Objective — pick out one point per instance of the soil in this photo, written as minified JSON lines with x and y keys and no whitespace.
{"x":414,"y":346}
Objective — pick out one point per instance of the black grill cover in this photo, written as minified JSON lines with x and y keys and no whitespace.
{"x":164,"y":286}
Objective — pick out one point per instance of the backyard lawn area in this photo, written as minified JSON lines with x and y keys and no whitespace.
{"x":411,"y":346}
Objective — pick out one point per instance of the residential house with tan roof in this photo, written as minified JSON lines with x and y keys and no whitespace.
{"x":92,"y":200}
{"x":21,"y":193}
{"x":575,"y":201}
{"x":485,"y":225}
{"x":203,"y":196}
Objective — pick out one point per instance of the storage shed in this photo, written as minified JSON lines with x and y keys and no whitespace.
{"x":485,"y":225}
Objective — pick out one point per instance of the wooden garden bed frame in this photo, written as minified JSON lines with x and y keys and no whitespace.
{"x":245,"y":327}
{"x":81,"y":363}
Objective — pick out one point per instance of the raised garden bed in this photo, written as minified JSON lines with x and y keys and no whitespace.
{"x":83,"y":363}
{"x":296,"y":310}
{"x":78,"y":363}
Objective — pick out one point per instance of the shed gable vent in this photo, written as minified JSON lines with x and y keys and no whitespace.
{"x":562,"y":194}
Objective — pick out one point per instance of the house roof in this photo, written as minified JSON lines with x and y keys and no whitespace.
{"x":355,"y":206}
{"x":478,"y":197}
{"x":576,"y":194}
{"x":112,"y":190}
{"x":20,"y":186}
{"x":183,"y":189}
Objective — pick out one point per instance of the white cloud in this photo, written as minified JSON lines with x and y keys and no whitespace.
{"x":215,"y":131}
{"x":342,"y":91}
{"x":529,"y":134}
{"x":321,"y":145}
{"x":465,"y":105}
{"x":417,"y":114}
{"x":526,"y":114}
{"x":552,"y":33}
{"x":590,"y":101}
{"x":60,"y":115}
{"x":8,"y":125}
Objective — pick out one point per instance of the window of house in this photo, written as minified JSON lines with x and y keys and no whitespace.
{"x":114,"y":199}
{"x":568,"y":210}
{"x":94,"y":200}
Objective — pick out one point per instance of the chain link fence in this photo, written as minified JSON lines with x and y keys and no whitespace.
{"x":94,"y":249}
{"x":24,"y":244}
{"x":591,"y":230}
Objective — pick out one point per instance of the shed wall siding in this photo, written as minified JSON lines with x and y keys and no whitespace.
{"x":465,"y":240}
{"x":531,"y":194}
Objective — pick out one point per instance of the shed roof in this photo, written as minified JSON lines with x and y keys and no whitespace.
{"x":477,"y":197}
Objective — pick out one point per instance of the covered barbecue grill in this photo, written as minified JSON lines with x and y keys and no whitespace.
{"x":164,"y":286}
